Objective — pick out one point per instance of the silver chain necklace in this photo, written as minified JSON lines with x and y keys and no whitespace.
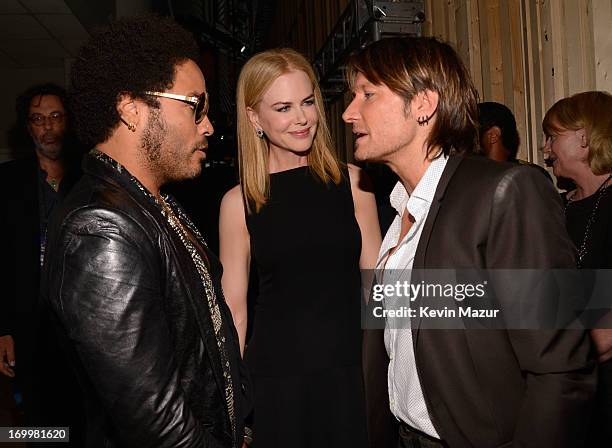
{"x":601,"y":191}
{"x":213,"y":304}
{"x":176,"y":223}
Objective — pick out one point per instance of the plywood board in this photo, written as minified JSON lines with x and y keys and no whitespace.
{"x":474,"y":44}
{"x":602,"y":39}
{"x":518,"y":82}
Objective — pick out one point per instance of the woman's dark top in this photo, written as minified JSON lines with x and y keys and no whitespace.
{"x":597,"y":255}
{"x":305,"y":243}
{"x":305,"y":350}
{"x":598,"y":247}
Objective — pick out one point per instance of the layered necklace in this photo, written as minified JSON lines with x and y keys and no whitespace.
{"x":176,"y":223}
{"x":179,"y":223}
{"x":601,"y":192}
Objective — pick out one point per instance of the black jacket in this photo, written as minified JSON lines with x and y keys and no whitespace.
{"x":49,"y":396}
{"x":492,"y":388}
{"x":134,"y":316}
{"x":20,"y":242}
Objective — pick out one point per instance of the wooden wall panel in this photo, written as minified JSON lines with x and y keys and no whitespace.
{"x":475,"y":58}
{"x":587,"y":50}
{"x":517,"y":81}
{"x":579,"y":47}
{"x":602,"y":37}
{"x":534,"y":87}
{"x":491,"y":41}
{"x":427,"y":24}
{"x":559,"y":45}
{"x":509,"y":74}
{"x":437,"y":20}
{"x":571,"y":23}
{"x":546,"y":43}
{"x":462,"y":27}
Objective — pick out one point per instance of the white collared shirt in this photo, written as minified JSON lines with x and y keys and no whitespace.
{"x":405,"y":393}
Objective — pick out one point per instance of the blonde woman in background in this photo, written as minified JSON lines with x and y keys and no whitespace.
{"x":578,"y":146}
{"x":309,"y":223}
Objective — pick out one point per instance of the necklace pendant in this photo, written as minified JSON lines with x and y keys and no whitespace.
{"x":584,"y":247}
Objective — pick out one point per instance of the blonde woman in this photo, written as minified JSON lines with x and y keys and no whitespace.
{"x":308,"y":224}
{"x":578,"y":146}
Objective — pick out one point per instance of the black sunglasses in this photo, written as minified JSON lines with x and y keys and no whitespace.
{"x":199,"y":103}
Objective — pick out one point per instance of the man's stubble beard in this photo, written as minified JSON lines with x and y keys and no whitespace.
{"x":162,"y":151}
{"x":369,"y":155}
{"x":51,"y":152}
{"x":153,"y":136}
{"x":48,"y":151}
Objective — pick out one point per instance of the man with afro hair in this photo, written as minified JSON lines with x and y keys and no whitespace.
{"x":132,"y":285}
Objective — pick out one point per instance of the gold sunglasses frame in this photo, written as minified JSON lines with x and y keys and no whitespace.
{"x":192,"y":100}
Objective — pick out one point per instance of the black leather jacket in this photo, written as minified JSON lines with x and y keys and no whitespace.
{"x":133,"y":314}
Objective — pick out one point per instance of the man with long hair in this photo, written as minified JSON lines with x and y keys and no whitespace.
{"x":415,"y":110}
{"x":34,"y":184}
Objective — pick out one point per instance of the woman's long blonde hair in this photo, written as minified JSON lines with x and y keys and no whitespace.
{"x":255,"y":79}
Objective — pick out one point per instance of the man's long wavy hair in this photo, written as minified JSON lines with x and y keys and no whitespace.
{"x":255,"y":79}
{"x":411,"y":65}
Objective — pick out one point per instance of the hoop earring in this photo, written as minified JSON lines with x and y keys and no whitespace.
{"x":259,"y":132}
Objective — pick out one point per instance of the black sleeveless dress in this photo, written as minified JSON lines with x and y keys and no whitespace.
{"x":305,"y":350}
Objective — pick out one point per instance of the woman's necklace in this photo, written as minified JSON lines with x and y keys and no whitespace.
{"x":601,"y":191}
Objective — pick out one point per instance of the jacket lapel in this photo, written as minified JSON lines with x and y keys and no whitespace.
{"x":199,"y":298}
{"x":421,"y":251}
{"x":196,"y":292}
